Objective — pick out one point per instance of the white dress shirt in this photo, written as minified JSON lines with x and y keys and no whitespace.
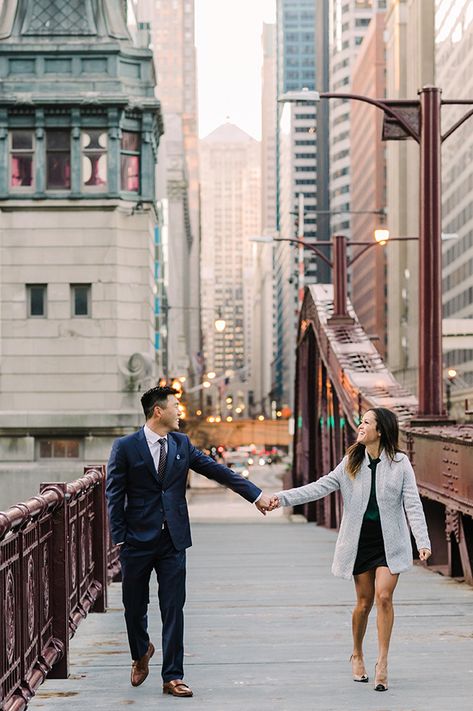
{"x":153,"y":443}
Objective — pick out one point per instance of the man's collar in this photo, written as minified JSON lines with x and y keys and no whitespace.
{"x":152,"y":437}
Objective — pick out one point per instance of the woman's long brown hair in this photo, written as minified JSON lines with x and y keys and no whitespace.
{"x":387,"y":425}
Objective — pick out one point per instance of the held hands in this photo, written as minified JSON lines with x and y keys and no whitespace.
{"x":424,"y":554}
{"x":267,"y":503}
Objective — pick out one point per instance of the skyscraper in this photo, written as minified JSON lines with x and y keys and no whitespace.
{"x":296,"y":174}
{"x":263,"y":303}
{"x":349,"y":22}
{"x":231,"y":214}
{"x":410,"y":64}
{"x":368,"y":190}
{"x":454,"y":57}
{"x":172,"y":40}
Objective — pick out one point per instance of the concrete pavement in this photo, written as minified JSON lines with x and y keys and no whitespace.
{"x":268,"y":628}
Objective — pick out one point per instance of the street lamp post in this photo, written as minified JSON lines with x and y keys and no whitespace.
{"x":339,"y":264}
{"x":421,"y":120}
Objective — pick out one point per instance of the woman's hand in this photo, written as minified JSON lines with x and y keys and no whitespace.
{"x":274,"y":503}
{"x":424,"y":554}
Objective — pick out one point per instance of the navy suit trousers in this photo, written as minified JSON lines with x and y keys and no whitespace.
{"x":170,"y":567}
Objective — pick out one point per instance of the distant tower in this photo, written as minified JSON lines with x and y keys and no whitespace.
{"x":79,"y":132}
{"x":231,"y":187}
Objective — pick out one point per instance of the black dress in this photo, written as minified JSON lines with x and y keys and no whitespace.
{"x":371,"y":553}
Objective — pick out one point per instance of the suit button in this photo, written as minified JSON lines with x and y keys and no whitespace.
{"x":161,"y":511}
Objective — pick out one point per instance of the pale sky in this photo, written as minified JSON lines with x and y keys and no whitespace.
{"x":229,"y":58}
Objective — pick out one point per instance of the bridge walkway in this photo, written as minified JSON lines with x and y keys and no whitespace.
{"x":268,"y":628}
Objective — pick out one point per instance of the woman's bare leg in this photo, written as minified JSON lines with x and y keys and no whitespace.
{"x":385,"y":585}
{"x":365,"y":591}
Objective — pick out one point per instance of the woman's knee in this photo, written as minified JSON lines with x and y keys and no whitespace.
{"x":364,"y":604}
{"x":384,"y":598}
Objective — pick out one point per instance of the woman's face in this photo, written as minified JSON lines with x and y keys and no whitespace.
{"x":367,"y":431}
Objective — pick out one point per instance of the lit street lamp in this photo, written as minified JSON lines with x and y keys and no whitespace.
{"x":339,"y":264}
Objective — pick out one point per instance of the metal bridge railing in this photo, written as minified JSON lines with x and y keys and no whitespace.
{"x":56,"y":559}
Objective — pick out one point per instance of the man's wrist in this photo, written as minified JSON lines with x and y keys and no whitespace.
{"x":258,"y":497}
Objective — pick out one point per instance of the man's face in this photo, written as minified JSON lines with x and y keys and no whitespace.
{"x":169,"y":415}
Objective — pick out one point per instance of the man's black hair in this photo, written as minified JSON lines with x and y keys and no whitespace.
{"x":156,"y":396}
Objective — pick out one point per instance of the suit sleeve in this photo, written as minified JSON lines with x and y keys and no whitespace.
{"x":413,"y":507}
{"x":313,"y":491}
{"x":115,"y":491}
{"x":202,"y":464}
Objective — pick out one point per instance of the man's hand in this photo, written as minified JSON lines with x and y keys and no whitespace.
{"x":263,"y":504}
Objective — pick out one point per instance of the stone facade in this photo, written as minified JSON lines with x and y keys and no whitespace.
{"x":79,"y":134}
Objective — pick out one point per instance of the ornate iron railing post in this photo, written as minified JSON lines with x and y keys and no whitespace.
{"x":100,"y":538}
{"x":60,"y":575}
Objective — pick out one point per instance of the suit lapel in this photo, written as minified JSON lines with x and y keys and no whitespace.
{"x":172,"y":449}
{"x":142,"y":446}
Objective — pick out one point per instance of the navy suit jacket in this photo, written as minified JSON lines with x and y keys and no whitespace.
{"x":138,"y":504}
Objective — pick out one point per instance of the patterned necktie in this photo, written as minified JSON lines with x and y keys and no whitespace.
{"x":162,"y":459}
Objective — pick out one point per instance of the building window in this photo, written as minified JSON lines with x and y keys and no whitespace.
{"x":81,"y":298}
{"x":59,"y":448}
{"x":130,"y":162}
{"x":21,"y":159}
{"x":36,"y":297}
{"x":58,"y":160}
{"x":94,"y":159}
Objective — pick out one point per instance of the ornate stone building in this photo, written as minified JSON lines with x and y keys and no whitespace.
{"x":79,"y":132}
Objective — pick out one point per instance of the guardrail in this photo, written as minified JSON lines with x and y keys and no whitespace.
{"x":56,"y":559}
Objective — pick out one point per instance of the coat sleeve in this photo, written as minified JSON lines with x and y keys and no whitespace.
{"x":202,"y":464}
{"x":315,"y":490}
{"x":115,"y":491}
{"x":413,"y":507}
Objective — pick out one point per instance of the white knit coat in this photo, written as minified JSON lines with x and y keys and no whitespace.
{"x":398,"y":498}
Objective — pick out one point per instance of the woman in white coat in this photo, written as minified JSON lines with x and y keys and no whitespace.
{"x":379,"y":490}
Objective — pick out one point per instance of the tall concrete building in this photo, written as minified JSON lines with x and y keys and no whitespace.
{"x":349,"y":23}
{"x":454,"y":57}
{"x":78,"y":146}
{"x":410,"y":63}
{"x":231,"y":214}
{"x":368,"y":191}
{"x":263,"y":301}
{"x":296,"y":174}
{"x":322,"y":84}
{"x":173,"y":43}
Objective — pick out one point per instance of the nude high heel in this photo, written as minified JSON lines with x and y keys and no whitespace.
{"x":359,"y":677}
{"x":380,"y":685}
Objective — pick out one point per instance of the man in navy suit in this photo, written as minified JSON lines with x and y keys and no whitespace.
{"x":146,"y":494}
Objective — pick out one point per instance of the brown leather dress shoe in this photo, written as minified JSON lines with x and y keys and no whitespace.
{"x":140,"y":667}
{"x":177,"y":687}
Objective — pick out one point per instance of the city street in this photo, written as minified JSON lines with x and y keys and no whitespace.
{"x":268,"y":628}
